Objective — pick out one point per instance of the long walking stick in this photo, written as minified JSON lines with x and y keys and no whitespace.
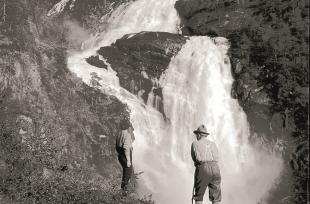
{"x":193,"y":194}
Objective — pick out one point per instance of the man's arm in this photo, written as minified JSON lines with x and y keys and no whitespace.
{"x":127,"y":154}
{"x":193,"y":154}
{"x":127,"y":147}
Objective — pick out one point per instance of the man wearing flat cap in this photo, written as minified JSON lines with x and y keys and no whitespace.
{"x":207,"y":174}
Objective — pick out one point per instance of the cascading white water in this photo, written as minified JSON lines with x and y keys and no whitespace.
{"x":196,"y":89}
{"x":141,"y":15}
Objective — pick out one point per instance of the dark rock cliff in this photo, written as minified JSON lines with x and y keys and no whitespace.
{"x":269,"y":53}
{"x":140,"y":59}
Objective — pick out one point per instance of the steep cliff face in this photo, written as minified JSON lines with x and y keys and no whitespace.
{"x":53,"y":127}
{"x":56,"y":133}
{"x":212,"y":18}
{"x":269,"y":55}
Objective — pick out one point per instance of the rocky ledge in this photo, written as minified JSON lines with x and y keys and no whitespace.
{"x":140,"y":59}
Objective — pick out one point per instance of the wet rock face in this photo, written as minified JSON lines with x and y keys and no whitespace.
{"x":212,"y":18}
{"x":140,"y":59}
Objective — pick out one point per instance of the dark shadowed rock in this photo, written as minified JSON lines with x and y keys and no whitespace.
{"x":95,"y":61}
{"x":212,"y":18}
{"x":141,"y":58}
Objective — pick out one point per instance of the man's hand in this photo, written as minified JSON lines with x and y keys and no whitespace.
{"x":128,"y":164}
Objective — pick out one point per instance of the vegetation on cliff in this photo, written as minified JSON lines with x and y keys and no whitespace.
{"x":56,"y":133}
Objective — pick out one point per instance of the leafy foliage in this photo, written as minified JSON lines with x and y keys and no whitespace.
{"x":274,"y":53}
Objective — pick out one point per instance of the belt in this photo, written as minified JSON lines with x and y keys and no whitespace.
{"x":207,"y":162}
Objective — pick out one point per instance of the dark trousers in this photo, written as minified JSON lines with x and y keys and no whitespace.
{"x":208,"y":174}
{"x":127,"y":171}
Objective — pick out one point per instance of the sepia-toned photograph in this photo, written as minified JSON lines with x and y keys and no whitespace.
{"x":154,"y":102}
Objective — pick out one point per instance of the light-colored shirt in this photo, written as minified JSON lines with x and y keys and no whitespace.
{"x":204,"y":150}
{"x":124,"y":140}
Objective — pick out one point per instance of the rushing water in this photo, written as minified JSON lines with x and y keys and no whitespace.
{"x":196,"y":90}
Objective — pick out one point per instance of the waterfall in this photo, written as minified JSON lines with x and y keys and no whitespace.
{"x":140,"y":15}
{"x":196,"y":90}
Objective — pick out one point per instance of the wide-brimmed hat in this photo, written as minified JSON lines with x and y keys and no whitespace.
{"x":201,"y":129}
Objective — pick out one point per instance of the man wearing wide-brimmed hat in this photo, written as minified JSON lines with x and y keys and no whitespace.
{"x":207,"y":174}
